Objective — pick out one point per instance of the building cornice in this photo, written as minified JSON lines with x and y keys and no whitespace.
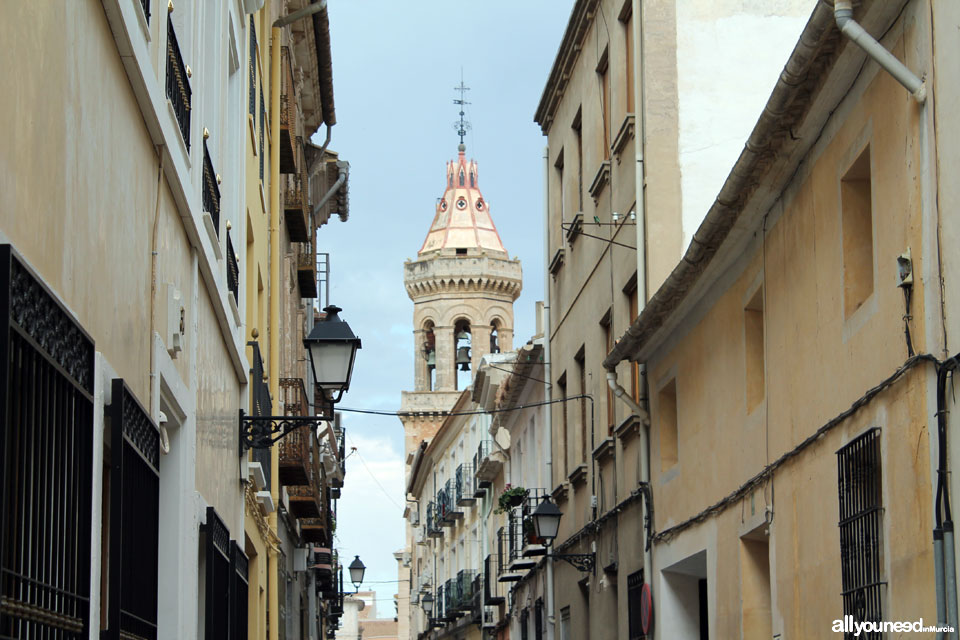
{"x":570,"y":47}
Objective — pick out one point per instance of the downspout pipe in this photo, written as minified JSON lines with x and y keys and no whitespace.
{"x":843,"y":14}
{"x":344,"y":168}
{"x":273,"y":592}
{"x":308,"y":10}
{"x":644,"y":417}
{"x":547,"y":388}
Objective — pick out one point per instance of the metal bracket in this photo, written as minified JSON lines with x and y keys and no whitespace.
{"x":261,"y":432}
{"x":581,"y":561}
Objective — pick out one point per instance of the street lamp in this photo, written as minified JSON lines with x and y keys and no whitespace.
{"x":332,"y":347}
{"x":356,"y":572}
{"x":546,"y":522}
{"x":427,"y":603}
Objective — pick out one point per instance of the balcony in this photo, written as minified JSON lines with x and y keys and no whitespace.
{"x":307,"y":270}
{"x":313,"y":529}
{"x":434,"y":525}
{"x":450,"y":600}
{"x":516,"y":540}
{"x":492,"y":591}
{"x":290,"y":127}
{"x":233,"y":271}
{"x":465,"y":487}
{"x":296,"y":467}
{"x":506,"y":572}
{"x":531,"y":545}
{"x":465,"y":590}
{"x":449,"y":514}
{"x":211,"y":190}
{"x":487,"y":464}
{"x":305,"y":502}
{"x":295,"y":210}
{"x":178,"y":83}
{"x":260,"y":405}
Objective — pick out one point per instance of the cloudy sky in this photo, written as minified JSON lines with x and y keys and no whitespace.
{"x":394,"y":69}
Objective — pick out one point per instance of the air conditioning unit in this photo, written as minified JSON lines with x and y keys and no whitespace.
{"x":414,"y":597}
{"x":415,"y":518}
{"x":489,"y":617}
{"x":300,"y":559}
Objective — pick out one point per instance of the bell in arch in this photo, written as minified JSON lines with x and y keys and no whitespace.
{"x":463,"y":358}
{"x":431,"y":358}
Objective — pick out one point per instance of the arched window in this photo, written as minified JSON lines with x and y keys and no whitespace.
{"x":462,"y":342}
{"x":471,"y":179}
{"x":461,"y":177}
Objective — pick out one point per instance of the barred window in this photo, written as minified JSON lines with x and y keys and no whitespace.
{"x":861,"y":519}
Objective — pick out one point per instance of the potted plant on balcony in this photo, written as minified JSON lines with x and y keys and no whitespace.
{"x":530,"y":532}
{"x":511,"y":497}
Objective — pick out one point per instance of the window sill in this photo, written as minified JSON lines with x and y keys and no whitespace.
{"x":600,"y":180}
{"x":624,"y":136}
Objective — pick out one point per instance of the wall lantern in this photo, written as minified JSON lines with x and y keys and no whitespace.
{"x":332,"y":347}
{"x":546,"y":522}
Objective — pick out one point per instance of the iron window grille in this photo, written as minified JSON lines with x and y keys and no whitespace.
{"x":178,"y":84}
{"x":239,"y":587}
{"x":134,"y":518}
{"x":861,"y":520}
{"x":46,"y":458}
{"x":634,"y":588}
{"x":226,"y":582}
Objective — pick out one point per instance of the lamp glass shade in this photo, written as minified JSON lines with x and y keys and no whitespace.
{"x":427,"y":603}
{"x":333,"y":349}
{"x":546,"y":520}
{"x":356,"y":571}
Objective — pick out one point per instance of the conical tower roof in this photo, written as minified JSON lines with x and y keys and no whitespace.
{"x":462,"y":220}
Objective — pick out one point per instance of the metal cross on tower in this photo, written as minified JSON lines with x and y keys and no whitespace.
{"x":462,"y":126}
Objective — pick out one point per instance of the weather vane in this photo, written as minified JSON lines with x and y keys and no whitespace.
{"x":462,"y":126}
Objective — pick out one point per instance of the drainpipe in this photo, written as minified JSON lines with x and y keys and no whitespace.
{"x":843,"y":14}
{"x":547,"y":389}
{"x":309,"y":10}
{"x":326,"y":142}
{"x":273,"y":592}
{"x":344,"y":168}
{"x":640,"y":140}
{"x":644,"y":417}
{"x":945,"y":575}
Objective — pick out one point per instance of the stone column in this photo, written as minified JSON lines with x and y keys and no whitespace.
{"x":446,"y":373}
{"x":420,"y":373}
{"x":505,"y":336}
{"x":479,"y":345}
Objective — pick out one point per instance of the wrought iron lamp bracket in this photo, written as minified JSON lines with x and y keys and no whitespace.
{"x":586,"y":562}
{"x":262,"y":432}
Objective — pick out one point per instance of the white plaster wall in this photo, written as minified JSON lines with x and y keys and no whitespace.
{"x":729,"y":55}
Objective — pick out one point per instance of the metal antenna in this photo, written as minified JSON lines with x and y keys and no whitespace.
{"x":462,"y":126}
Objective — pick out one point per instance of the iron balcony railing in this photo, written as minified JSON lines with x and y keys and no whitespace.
{"x":466,"y":485}
{"x":233,"y":271}
{"x":211,"y":190}
{"x":178,"y":83}
{"x":252,"y":107}
{"x":525,"y":514}
{"x":450,"y":600}
{"x":465,"y":589}
{"x":483,"y":450}
{"x":434,"y":526}
{"x":261,"y":404}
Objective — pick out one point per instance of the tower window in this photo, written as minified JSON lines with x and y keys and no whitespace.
{"x":461,"y":177}
{"x":461,"y":252}
{"x":857,"y":230}
{"x":471,"y":178}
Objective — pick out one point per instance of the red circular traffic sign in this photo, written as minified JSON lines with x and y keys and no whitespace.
{"x":646,"y":609}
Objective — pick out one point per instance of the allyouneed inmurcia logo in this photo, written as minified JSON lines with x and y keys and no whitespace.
{"x":849,"y":625}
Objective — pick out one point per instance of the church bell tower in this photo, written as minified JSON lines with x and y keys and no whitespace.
{"x":463,"y":285}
